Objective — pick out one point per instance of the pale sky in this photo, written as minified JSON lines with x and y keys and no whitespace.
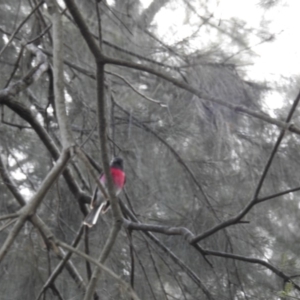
{"x":274,"y":60}
{"x":282,"y":55}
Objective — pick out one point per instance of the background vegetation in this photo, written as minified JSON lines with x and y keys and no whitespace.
{"x":210,"y":208}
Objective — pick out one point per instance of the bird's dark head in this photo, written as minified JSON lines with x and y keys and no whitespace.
{"x":117,"y":162}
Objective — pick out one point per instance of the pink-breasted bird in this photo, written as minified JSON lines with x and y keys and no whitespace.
{"x":98,"y":203}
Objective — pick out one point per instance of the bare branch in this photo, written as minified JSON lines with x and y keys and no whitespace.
{"x":168,"y":230}
{"x":26,"y":114}
{"x":276,"y":146}
{"x":252,"y":261}
{"x":278,"y":195}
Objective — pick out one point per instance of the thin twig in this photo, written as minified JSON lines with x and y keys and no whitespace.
{"x":61,"y":265}
{"x":16,"y":66}
{"x":82,"y":156}
{"x":10,"y":216}
{"x":137,"y":91}
{"x":202,"y":95}
{"x":145,"y":274}
{"x":7,"y":224}
{"x":20,"y":26}
{"x":175,"y":154}
{"x":127,"y":287}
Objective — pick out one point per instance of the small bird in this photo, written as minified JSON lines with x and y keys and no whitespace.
{"x":98,"y":203}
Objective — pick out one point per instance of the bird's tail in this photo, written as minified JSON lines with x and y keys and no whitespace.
{"x":92,"y":217}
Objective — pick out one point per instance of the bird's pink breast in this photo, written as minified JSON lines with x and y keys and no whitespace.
{"x":118,"y":179}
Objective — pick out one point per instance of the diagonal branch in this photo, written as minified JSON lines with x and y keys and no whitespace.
{"x":85,"y":32}
{"x":259,"y":200}
{"x":90,"y":169}
{"x":30,"y":208}
{"x":40,"y":225}
{"x":7,"y":224}
{"x":254,"y":199}
{"x":20,"y":26}
{"x":281,"y":135}
{"x":26,"y":114}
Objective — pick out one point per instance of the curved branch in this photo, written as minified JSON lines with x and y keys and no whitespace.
{"x":252,"y":260}
{"x":135,"y":90}
{"x":26,"y":114}
{"x":253,"y":201}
